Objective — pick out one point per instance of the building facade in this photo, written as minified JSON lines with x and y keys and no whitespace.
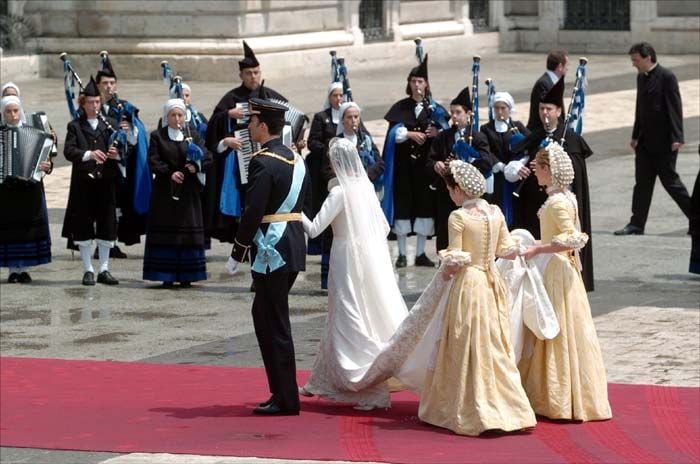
{"x":198,"y":35}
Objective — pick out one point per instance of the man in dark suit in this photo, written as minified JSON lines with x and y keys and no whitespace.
{"x":656,"y":137}
{"x":557,"y":65}
{"x":271,"y":228}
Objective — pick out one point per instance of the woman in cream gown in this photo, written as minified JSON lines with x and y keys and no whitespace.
{"x":473,"y":384}
{"x":564,"y":377}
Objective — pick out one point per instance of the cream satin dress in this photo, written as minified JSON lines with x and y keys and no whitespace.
{"x":565,"y":377}
{"x":473,"y":384}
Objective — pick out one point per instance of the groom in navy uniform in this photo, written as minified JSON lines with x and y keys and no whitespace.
{"x":271,"y":229}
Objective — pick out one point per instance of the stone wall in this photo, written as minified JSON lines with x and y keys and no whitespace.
{"x":672,"y":26}
{"x":199,"y":36}
{"x":178,"y":19}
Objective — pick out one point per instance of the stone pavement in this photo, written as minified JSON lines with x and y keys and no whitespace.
{"x":646,"y":305}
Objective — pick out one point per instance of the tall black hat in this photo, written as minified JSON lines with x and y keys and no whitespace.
{"x":91,"y":89}
{"x":420,"y":71}
{"x":555,"y":96}
{"x":106,"y":69}
{"x":463,"y":99}
{"x":249,"y":60}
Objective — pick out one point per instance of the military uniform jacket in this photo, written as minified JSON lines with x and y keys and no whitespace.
{"x":270,"y":178}
{"x":658,"y":117}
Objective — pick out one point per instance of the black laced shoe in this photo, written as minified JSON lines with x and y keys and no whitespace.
{"x":106,"y":278}
{"x":423,"y":261}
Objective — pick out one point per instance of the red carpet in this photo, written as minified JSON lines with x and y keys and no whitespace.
{"x":130,"y":407}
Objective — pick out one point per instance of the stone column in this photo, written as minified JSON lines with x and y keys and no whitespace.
{"x":392,"y":17}
{"x":351,"y":20}
{"x":551,"y":19}
{"x":642,"y":14}
{"x":461,"y":15}
{"x":496,"y":14}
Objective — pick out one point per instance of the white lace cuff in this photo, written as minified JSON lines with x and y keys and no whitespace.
{"x":515,"y":248}
{"x":574,"y":240}
{"x":498,"y":167}
{"x":458,"y":257}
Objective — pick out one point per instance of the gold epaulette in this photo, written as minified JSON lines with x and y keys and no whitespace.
{"x":264,"y":152}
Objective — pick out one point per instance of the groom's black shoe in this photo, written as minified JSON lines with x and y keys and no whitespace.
{"x":268,"y":402}
{"x":630,"y":229}
{"x":274,"y":409}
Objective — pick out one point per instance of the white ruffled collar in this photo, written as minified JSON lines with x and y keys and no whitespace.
{"x":175,"y":135}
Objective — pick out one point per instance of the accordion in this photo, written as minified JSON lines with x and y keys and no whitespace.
{"x":293,"y":131}
{"x":21,"y":151}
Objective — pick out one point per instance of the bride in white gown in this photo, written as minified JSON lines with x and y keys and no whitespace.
{"x":361,"y":348}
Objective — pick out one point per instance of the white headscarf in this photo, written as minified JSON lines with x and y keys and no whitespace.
{"x":9,"y":84}
{"x":343,"y":108}
{"x":506,"y":98}
{"x":170,"y":105}
{"x":11,"y":100}
{"x":331,"y":88}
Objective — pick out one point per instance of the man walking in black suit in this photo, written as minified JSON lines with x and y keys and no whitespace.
{"x":557,"y":65}
{"x":271,"y":228}
{"x":656,"y":137}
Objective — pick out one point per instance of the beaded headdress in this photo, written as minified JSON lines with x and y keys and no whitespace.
{"x":468,"y":177}
{"x":560,"y":166}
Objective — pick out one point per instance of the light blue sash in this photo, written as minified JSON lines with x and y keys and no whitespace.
{"x":267,"y":256}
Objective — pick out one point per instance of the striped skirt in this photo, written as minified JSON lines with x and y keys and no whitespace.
{"x":25,"y":254}
{"x":174,"y":264}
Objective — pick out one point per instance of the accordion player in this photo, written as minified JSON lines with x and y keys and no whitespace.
{"x":22,"y":150}
{"x":24,"y":230}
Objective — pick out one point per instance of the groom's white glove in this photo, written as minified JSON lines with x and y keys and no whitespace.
{"x":231,"y":266}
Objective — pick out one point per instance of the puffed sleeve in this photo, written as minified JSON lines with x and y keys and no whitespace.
{"x":331,"y":207}
{"x":506,"y":244}
{"x":454,"y":253}
{"x":568,"y":236}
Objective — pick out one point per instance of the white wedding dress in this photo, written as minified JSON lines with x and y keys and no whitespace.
{"x":365,"y":342}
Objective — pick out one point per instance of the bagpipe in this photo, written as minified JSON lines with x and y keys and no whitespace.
{"x":174,"y":83}
{"x":194,"y":156}
{"x":339,"y":73}
{"x":574,"y":115}
{"x":70,"y":77}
